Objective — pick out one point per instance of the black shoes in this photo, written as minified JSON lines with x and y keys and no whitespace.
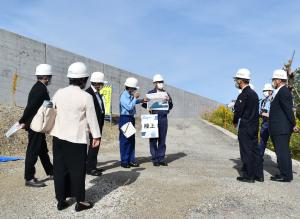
{"x":156,"y":164}
{"x":94,"y":173}
{"x":259,"y":179}
{"x":163,"y":163}
{"x":81,"y":207}
{"x":279,"y":178}
{"x":245,"y":179}
{"x":34,"y":183}
{"x":134,"y":164}
{"x":276,"y":178}
{"x":131,"y":164}
{"x":100,"y":170}
{"x":125,"y":165}
{"x":62,"y":205}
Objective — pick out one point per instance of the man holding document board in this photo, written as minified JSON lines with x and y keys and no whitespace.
{"x":160,"y":103}
{"x":128,"y":100}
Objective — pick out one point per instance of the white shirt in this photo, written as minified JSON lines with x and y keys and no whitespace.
{"x":75,"y":113}
{"x":276,"y":91}
{"x":98,"y":98}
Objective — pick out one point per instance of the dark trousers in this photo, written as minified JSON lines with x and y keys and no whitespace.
{"x":69,"y":160}
{"x":281,"y":144}
{"x":158,"y":145}
{"x":250,"y":154}
{"x":127,"y":145}
{"x":37,"y":147}
{"x":264,"y":137}
{"x":91,"y":162}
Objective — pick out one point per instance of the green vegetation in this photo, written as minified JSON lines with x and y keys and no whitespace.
{"x":223,"y":117}
{"x":296,"y":92}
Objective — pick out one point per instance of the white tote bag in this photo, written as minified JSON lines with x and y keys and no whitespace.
{"x":44,"y":120}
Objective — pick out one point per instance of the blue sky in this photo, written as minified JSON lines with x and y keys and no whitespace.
{"x":196,"y":45}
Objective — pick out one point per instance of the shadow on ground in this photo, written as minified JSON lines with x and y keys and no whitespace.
{"x":169,"y":158}
{"x":269,"y":165}
{"x":109,"y":182}
{"x":141,"y":160}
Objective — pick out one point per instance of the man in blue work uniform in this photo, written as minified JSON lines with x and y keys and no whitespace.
{"x":246,"y":119}
{"x":264,"y":113}
{"x":282,"y":124}
{"x":128,"y":100}
{"x":158,"y":145}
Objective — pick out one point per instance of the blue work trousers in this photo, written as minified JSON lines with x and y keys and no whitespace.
{"x":158,"y":145}
{"x":127,"y":145}
{"x":264,"y":137}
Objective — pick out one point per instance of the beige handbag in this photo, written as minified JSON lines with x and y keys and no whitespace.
{"x":44,"y":120}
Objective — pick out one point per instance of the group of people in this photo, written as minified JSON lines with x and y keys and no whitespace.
{"x":128,"y":100}
{"x":80,"y":119}
{"x":78,"y":129}
{"x":278,"y":122}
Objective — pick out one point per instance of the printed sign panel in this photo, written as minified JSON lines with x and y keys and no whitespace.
{"x":149,"y":126}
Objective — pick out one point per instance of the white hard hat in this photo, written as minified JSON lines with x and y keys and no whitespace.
{"x":77,"y":70}
{"x":131,"y":82}
{"x":279,"y":74}
{"x":157,"y":78}
{"x":268,"y":87}
{"x":43,"y":69}
{"x":243,"y":73}
{"x":98,"y":77}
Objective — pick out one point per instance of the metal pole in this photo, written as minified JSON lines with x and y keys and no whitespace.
{"x":111,"y":105}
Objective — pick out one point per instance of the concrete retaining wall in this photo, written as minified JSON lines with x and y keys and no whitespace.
{"x":19,"y":56}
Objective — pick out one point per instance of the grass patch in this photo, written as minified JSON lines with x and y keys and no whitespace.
{"x":223,"y":117}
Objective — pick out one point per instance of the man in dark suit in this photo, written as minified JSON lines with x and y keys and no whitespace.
{"x":281,"y":125}
{"x":37,"y":146}
{"x":158,"y":145}
{"x":97,"y":83}
{"x":246,"y":119}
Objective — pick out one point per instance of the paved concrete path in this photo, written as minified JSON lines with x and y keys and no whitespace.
{"x":200,"y":182}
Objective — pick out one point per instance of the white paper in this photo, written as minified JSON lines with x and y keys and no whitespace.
{"x":128,"y":129}
{"x":16,"y":127}
{"x":149,"y":126}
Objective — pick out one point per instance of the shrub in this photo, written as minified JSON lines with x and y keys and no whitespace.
{"x":223,"y":117}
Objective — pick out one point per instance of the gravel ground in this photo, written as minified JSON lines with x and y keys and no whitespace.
{"x":16,"y":144}
{"x":198,"y":183}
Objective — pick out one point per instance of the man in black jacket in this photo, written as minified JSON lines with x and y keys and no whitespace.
{"x":97,"y":83}
{"x":158,"y":145}
{"x":281,"y":125}
{"x":246,"y":119}
{"x":37,"y":146}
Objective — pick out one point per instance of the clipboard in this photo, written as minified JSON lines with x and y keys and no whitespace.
{"x":128,"y":129}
